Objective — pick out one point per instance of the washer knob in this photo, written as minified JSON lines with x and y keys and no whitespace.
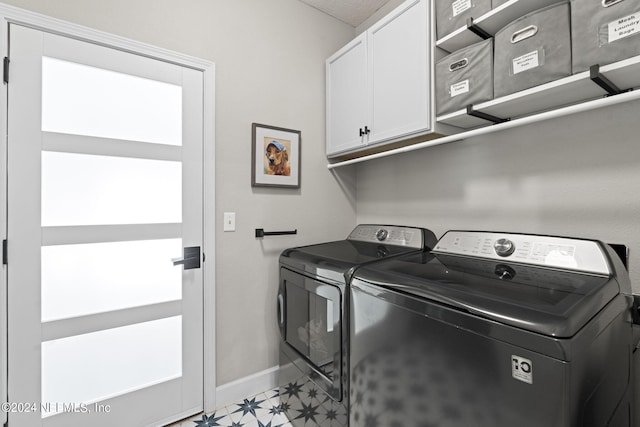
{"x":381,"y":234}
{"x":504,"y":247}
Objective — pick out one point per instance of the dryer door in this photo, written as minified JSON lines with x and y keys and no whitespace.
{"x":310,"y":316}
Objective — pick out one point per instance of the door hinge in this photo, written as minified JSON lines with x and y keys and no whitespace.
{"x":4,"y":252}
{"x":5,"y":71}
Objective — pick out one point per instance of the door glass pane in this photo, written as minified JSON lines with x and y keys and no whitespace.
{"x":84,"y":100}
{"x":80,"y":189}
{"x":94,"y":278}
{"x":93,"y":367}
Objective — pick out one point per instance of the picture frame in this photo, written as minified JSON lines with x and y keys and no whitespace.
{"x":275,"y":156}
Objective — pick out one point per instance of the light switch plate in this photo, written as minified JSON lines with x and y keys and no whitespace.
{"x":229,"y":221}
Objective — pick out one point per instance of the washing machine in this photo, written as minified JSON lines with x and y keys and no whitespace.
{"x":312,"y":317}
{"x":493,"y":330}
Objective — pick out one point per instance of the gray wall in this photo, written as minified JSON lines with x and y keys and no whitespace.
{"x":574,"y":176}
{"x":269,"y":59}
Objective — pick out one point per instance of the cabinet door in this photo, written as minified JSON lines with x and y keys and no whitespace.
{"x":346,"y":96}
{"x":398,"y":53}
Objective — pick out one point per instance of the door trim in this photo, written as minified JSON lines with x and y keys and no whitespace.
{"x":10,"y":14}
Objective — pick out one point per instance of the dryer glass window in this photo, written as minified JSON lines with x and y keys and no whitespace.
{"x":313,"y":324}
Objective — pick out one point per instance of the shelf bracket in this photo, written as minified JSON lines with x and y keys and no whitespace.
{"x":473,"y":27}
{"x":603,"y":82}
{"x":484,"y":116}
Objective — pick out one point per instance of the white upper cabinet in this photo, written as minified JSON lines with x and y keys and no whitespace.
{"x":379,"y":85}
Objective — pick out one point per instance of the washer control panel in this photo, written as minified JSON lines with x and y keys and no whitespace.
{"x":548,"y":251}
{"x":388,"y":234}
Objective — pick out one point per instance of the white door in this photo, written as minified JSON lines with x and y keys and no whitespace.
{"x":104,"y":189}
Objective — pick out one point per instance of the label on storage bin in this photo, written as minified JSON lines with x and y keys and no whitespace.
{"x":459,"y":88}
{"x":460,"y":6}
{"x":624,"y":27}
{"x":526,"y":62}
{"x":522,"y":369}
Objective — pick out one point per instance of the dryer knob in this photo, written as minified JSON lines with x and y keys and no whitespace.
{"x":381,"y":234}
{"x":504,"y":247}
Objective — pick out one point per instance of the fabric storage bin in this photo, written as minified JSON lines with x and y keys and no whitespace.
{"x":604,"y":31}
{"x":453,"y":14}
{"x":533,"y":50}
{"x":465,"y":77}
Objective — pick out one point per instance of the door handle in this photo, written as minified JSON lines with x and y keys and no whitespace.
{"x":281,"y":318}
{"x":280,"y":308}
{"x":190,"y":259}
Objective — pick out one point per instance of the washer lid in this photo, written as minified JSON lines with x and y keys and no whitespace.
{"x":552,"y":302}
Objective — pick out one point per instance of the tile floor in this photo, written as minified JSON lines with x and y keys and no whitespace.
{"x":262,"y":410}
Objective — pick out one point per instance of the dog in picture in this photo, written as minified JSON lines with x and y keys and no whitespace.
{"x":277,"y":159}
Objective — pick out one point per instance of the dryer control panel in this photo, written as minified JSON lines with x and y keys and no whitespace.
{"x":388,"y":234}
{"x":548,"y":251}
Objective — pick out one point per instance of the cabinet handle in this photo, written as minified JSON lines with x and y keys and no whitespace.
{"x":367,"y":130}
{"x":361,"y":132}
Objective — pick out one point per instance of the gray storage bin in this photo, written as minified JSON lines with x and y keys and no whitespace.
{"x":604,"y":31}
{"x":533,"y":50}
{"x":453,"y":14}
{"x":465,"y":77}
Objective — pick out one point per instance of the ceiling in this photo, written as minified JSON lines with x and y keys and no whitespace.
{"x":353,"y":12}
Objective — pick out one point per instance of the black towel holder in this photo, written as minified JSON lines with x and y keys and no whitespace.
{"x":261,"y":233}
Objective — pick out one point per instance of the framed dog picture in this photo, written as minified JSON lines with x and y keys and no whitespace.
{"x":275,"y":157}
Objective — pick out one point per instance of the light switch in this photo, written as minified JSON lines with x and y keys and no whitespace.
{"x":229,"y":221}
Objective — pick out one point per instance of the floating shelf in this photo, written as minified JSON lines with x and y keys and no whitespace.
{"x":568,"y":91}
{"x":491,"y":22}
{"x":561,"y":112}
{"x":559,"y":98}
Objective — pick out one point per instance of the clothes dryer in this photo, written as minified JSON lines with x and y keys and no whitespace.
{"x":312,"y":317}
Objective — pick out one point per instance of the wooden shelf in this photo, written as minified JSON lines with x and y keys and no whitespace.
{"x":568,"y":91}
{"x":491,"y":22}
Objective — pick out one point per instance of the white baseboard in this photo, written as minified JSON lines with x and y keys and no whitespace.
{"x":249,"y":386}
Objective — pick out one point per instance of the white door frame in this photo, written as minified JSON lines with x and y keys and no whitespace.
{"x":10,"y":14}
